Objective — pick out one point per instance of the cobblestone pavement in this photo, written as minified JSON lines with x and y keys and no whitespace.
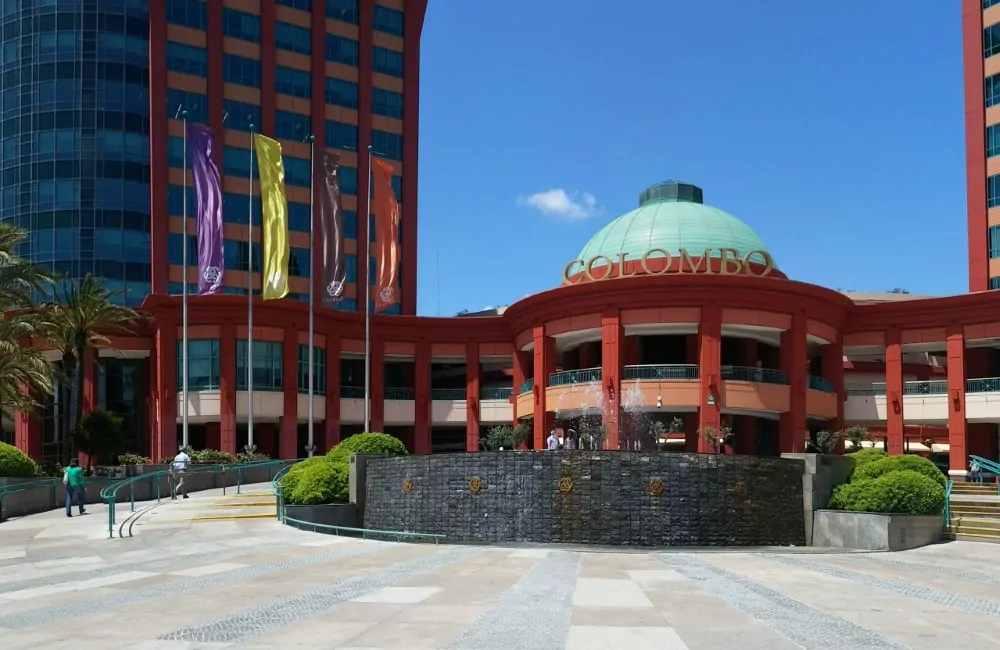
{"x":180,"y":584}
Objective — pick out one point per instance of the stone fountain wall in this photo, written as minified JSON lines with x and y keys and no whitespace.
{"x":583,"y":497}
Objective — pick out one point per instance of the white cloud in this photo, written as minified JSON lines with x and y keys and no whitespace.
{"x":560,"y":203}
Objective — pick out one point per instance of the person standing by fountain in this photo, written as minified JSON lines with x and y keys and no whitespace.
{"x":553,"y":442}
{"x":569,"y":440}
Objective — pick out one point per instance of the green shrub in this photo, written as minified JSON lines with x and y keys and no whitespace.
{"x":848,"y":496}
{"x":866,"y":456}
{"x":251,"y":457}
{"x":15,"y":464}
{"x":133,"y":459}
{"x":321,"y":482}
{"x":367,"y":443}
{"x":291,"y":478}
{"x":211,"y":456}
{"x":889,"y":464}
{"x":902,"y":492}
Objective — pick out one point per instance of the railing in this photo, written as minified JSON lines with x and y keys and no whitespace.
{"x":279,"y":492}
{"x":756,"y":375}
{"x":989,"y":466}
{"x":37,"y":484}
{"x":448,"y":394}
{"x":352,"y":392}
{"x":677,"y":371}
{"x":818,"y":383}
{"x":570,"y":377}
{"x":364,"y":532}
{"x":947,"y":502}
{"x":937,"y":387}
{"x":526,"y":387}
{"x":496,"y":393}
{"x":110,"y":493}
{"x":875,"y":389}
{"x":398,"y":393}
{"x":985,"y":385}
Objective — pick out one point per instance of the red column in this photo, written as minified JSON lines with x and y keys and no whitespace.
{"x":288,"y":433}
{"x":975,"y":144}
{"x":159,"y":226}
{"x":833,"y":371}
{"x":377,"y":386}
{"x":691,"y":419}
{"x":90,"y":380}
{"x":709,"y":362}
{"x":894,"y":391}
{"x":414,"y":21}
{"x":213,"y":436}
{"x":472,"y":396}
{"x":28,"y":432}
{"x":366,"y":20}
{"x":792,"y":431}
{"x":520,"y":364}
{"x":227,"y":388}
{"x":331,"y":424}
{"x":612,"y":352}
{"x":268,"y":106}
{"x":422,"y":397}
{"x":545,"y":364}
{"x":317,"y":122}
{"x":166,"y":391}
{"x":958,"y":458}
{"x":214,"y":76}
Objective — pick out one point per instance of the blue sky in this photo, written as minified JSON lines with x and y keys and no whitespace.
{"x":834,"y":129}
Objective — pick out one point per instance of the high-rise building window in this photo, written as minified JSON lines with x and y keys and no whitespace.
{"x":341,"y":50}
{"x":992,"y":94}
{"x":236,"y":208}
{"x":991,"y":40}
{"x":241,"y":70}
{"x":387,"y":144}
{"x":203,"y":364}
{"x":195,"y":104}
{"x":296,"y":171}
{"x":994,"y":242}
{"x":993,"y":140}
{"x":989,"y":3}
{"x":340,"y":135}
{"x":301,"y":5}
{"x":348,"y":180}
{"x":291,"y":126}
{"x":299,"y":217}
{"x":266,"y":365}
{"x":390,"y":62}
{"x":387,"y":103}
{"x":341,"y":92}
{"x":298,"y":262}
{"x":175,"y":249}
{"x":319,"y":369}
{"x":187,"y":59}
{"x":175,"y":200}
{"x":241,"y":25}
{"x":994,"y":283}
{"x":289,"y":81}
{"x":187,"y":13}
{"x":292,"y":38}
{"x":345,"y":10}
{"x":993,"y":191}
{"x":240,"y":115}
{"x":350,"y":224}
{"x":388,"y":20}
{"x":236,"y":161}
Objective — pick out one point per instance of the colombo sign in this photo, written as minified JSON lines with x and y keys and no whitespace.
{"x":658,"y":261}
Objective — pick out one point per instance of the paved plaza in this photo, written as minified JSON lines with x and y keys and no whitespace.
{"x":185,"y":580}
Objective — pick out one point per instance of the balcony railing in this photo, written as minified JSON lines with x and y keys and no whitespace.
{"x":818,"y":383}
{"x":398,"y":393}
{"x":984,"y":385}
{"x":660,"y":372}
{"x":865,"y":390}
{"x":450,"y":394}
{"x":496,"y":393}
{"x":937,"y":387}
{"x":756,"y":375}
{"x":352,"y":392}
{"x":570,"y":377}
{"x":526,"y":387}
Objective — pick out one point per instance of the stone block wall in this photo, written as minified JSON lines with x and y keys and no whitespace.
{"x":580,"y":497}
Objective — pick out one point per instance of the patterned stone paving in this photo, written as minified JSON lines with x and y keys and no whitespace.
{"x":254,"y":584}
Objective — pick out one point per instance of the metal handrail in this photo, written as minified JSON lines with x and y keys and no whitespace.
{"x":279,"y":492}
{"x":110,"y":493}
{"x":365,"y":532}
{"x":989,"y":465}
{"x":657,"y":372}
{"x":947,"y":502}
{"x":37,"y":484}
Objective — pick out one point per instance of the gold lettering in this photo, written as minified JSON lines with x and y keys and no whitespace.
{"x":589,"y":271}
{"x":748,"y":264}
{"x":649,"y":255}
{"x":706,"y":257}
{"x":727,"y":257}
{"x":621,"y":266}
{"x":567,"y":274}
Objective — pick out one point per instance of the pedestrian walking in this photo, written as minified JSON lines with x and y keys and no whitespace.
{"x":75,"y":486}
{"x":178,"y":469}
{"x":976,"y":472}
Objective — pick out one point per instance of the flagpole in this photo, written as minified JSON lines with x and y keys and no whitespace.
{"x":312,"y":281}
{"x":184,"y":300}
{"x":368,"y":336}
{"x":250,"y":446}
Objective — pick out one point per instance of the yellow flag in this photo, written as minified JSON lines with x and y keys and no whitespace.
{"x":275,"y":211}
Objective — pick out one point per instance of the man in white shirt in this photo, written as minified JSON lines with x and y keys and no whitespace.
{"x":178,"y":469}
{"x":553,"y":441}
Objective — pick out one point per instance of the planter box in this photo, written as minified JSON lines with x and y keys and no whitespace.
{"x":823,"y":472}
{"x":334,"y":514}
{"x":874,"y":532}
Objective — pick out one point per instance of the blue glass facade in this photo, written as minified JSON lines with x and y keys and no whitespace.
{"x":74,"y":129}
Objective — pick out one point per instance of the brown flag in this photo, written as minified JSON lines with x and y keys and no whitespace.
{"x":331,"y":232}
{"x":387,"y":236}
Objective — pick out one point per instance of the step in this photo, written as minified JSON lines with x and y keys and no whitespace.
{"x":973,"y":488}
{"x":977,"y":522}
{"x":973,"y":530}
{"x":990,"y":539}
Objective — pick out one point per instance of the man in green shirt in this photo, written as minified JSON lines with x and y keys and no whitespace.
{"x":74,"y":485}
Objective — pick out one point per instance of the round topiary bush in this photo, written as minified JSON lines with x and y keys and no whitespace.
{"x":320,"y":483}
{"x":367,"y":443}
{"x":866,"y":456}
{"x":903,"y":492}
{"x":848,"y":496}
{"x":14,"y":463}
{"x":291,"y":478}
{"x":890,"y":464}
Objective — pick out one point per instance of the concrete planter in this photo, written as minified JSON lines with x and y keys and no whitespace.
{"x":869,"y":531}
{"x":823,"y":472}
{"x":334,"y":514}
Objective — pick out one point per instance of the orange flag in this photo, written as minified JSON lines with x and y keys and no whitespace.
{"x":387,"y":236}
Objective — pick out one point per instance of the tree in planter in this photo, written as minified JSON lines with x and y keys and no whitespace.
{"x":856,"y":436}
{"x":505,"y":436}
{"x":824,"y":442}
{"x":100,"y":434}
{"x":719,"y":437}
{"x":593,"y":434}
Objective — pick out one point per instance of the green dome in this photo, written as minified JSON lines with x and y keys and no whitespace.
{"x":671,"y":216}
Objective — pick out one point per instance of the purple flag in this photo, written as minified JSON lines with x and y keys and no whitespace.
{"x":208,"y":208}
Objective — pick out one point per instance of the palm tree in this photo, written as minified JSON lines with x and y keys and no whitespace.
{"x":21,"y":366}
{"x":82,"y":317}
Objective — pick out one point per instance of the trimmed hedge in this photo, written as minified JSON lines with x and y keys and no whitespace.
{"x":889,"y":464}
{"x":368,"y":443}
{"x":292,"y":477}
{"x":14,"y":463}
{"x":898,"y":492}
{"x":866,"y":456}
{"x":322,"y":482}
